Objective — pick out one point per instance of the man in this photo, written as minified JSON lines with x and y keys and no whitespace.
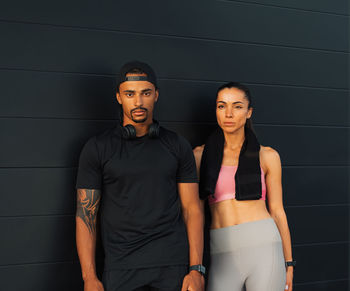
{"x":144,"y":178}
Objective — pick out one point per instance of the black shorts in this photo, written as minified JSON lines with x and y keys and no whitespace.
{"x":165,"y":278}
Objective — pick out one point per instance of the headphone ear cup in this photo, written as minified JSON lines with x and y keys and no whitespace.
{"x":128,"y":131}
{"x":154,"y":130}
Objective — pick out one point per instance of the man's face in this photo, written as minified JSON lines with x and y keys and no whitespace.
{"x":137,"y":99}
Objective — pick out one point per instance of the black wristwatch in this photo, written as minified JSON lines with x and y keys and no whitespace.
{"x":291,"y":263}
{"x":199,"y":268}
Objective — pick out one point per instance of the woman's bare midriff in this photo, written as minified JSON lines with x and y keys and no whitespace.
{"x":232,"y":212}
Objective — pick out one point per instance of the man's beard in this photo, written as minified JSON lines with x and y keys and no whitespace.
{"x":139,"y":120}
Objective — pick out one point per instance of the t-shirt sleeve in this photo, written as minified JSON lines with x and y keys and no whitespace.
{"x":186,"y":172}
{"x":89,"y":170}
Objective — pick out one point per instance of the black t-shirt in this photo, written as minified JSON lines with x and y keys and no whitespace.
{"x":141,"y":217}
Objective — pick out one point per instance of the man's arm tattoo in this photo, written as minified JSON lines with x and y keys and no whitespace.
{"x":88,"y":202}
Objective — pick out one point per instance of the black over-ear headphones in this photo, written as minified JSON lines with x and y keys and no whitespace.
{"x":129,"y":131}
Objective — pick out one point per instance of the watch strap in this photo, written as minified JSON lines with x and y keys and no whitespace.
{"x":199,"y":268}
{"x":291,"y":263}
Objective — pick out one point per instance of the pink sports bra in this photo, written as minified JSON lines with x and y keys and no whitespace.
{"x":225,"y":186}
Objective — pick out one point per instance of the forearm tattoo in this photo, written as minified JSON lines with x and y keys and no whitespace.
{"x":88,"y":202}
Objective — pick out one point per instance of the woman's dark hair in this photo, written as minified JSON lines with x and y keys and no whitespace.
{"x":247,"y":94}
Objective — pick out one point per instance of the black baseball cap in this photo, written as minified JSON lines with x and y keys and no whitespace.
{"x":126,"y":68}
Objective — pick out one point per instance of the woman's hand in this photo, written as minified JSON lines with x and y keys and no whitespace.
{"x":289,"y":279}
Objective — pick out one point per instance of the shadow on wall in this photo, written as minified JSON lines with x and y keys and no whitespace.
{"x":97,"y":96}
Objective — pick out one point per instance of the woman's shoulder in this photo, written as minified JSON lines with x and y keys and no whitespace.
{"x":198,"y":149}
{"x":268,"y":151}
{"x":269,"y":157}
{"x":198,"y":152}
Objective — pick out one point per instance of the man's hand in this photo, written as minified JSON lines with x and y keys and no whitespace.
{"x":93,"y":285}
{"x":193,"y":281}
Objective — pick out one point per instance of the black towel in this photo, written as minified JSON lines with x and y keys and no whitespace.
{"x":248,"y":175}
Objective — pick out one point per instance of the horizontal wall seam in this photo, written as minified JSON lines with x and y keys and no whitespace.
{"x":37,"y":215}
{"x":176,"y":79}
{"x":39,"y":167}
{"x":73,"y":214}
{"x":39,"y":263}
{"x":320,"y":282}
{"x":321,"y":243}
{"x":173,"y":122}
{"x":318,"y":205}
{"x":75,"y":167}
{"x":285,"y":7}
{"x":59,"y":118}
{"x":174,"y":36}
{"x":257,"y":84}
{"x":315,"y":166}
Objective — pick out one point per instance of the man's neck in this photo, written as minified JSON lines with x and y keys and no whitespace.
{"x":141,"y":128}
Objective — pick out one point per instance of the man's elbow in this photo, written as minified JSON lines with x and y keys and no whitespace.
{"x":193,"y":211}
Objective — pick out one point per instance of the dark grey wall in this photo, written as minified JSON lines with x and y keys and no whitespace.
{"x":58,"y":60}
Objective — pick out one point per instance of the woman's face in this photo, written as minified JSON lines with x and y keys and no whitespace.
{"x":232,"y":109}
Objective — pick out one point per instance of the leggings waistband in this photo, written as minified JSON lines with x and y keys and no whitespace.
{"x":247,"y":234}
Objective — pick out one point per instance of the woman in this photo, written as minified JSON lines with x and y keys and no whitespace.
{"x":249,"y":244}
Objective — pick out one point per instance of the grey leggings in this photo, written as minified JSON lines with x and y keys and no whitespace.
{"x":247,"y":255}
